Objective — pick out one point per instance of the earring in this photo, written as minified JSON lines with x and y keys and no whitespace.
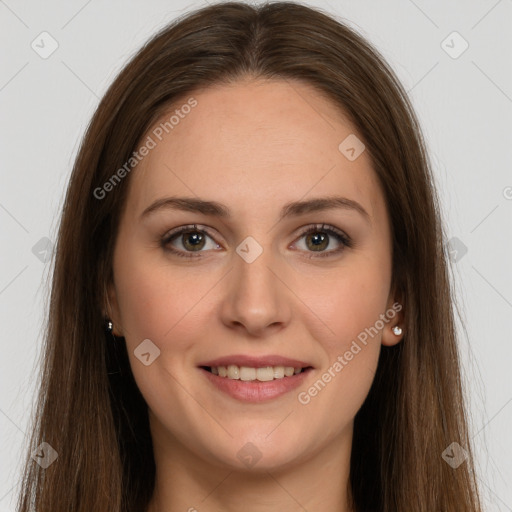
{"x":110,"y":326}
{"x":397,"y":330}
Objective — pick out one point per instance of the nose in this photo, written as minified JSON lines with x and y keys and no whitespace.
{"x":257,"y":300}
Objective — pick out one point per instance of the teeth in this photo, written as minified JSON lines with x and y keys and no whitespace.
{"x":247,"y":373}
{"x":264,"y":374}
{"x":288,"y":371}
{"x":278,"y":372}
{"x":233,"y":372}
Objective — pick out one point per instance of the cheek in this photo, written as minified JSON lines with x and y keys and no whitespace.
{"x":353,"y":305}
{"x":147,"y":303}
{"x":352,"y":311}
{"x":146,"y":306}
{"x":161,"y":305}
{"x":341,"y":385}
{"x":337,"y":394}
{"x":160,"y":302}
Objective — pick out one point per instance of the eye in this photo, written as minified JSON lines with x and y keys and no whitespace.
{"x":190,"y":238}
{"x":318,"y":238}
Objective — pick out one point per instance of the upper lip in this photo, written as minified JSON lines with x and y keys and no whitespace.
{"x":255,"y":361}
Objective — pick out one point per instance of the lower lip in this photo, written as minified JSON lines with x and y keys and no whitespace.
{"x":256,"y":391}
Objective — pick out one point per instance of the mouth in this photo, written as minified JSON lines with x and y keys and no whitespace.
{"x":251,"y":374}
{"x":252,"y":379}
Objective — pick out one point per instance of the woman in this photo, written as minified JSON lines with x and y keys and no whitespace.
{"x":250,"y":304}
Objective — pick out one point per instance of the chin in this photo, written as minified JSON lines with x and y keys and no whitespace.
{"x":246,"y":454}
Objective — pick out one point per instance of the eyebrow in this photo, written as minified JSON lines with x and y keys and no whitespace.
{"x":292,"y":209}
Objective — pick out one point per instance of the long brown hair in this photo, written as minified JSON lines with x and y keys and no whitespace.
{"x":89,"y":408}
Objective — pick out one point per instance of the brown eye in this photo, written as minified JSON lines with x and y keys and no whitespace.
{"x":192,"y":240}
{"x":317,"y":241}
{"x":319,"y":238}
{"x":186,"y":240}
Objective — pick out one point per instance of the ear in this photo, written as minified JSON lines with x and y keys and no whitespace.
{"x":395,"y":312}
{"x":111,"y":308}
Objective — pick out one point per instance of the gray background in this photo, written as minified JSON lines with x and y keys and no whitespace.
{"x":464,"y":105}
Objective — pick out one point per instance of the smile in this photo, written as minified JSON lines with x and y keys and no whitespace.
{"x":246,"y":384}
{"x":248,"y":374}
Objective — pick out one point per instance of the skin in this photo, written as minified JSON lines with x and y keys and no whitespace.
{"x":253,"y":146}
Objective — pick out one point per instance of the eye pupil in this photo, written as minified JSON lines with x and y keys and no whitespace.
{"x":318,"y":240}
{"x":196,"y":237}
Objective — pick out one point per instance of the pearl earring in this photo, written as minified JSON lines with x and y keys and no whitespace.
{"x":397,"y":330}
{"x":110,"y":326}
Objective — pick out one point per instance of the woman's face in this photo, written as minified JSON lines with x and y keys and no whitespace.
{"x":248,"y":289}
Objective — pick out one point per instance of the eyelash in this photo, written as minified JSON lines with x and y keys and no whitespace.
{"x":345,"y":241}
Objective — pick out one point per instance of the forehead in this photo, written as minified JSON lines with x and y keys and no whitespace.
{"x":254,"y":142}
